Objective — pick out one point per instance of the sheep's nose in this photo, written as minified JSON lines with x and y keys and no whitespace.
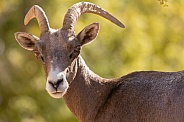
{"x":56,"y":79}
{"x":56,"y":84}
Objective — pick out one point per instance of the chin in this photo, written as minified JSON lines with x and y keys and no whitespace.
{"x":57,"y":94}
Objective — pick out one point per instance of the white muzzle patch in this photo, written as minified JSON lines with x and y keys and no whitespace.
{"x":57,"y":84}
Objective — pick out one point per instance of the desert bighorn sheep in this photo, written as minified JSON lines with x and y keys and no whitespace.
{"x":146,"y":96}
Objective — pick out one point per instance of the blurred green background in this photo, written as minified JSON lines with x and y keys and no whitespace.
{"x":152,"y":40}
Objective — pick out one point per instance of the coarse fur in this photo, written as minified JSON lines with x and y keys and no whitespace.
{"x":145,"y":96}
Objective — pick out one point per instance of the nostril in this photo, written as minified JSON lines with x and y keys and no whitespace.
{"x":50,"y":83}
{"x":59,"y":81}
{"x":53,"y":84}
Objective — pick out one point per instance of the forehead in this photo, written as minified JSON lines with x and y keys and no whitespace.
{"x":57,"y":40}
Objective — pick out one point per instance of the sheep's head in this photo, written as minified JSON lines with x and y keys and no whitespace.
{"x":59,"y":49}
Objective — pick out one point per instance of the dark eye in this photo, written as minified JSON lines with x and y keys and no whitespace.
{"x":71,"y":55}
{"x":41,"y":57}
{"x":75,"y":52}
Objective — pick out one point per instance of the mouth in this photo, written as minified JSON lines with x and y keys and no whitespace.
{"x":56,"y":94}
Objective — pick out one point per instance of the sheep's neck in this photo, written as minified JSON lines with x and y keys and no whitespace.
{"x":87,"y":93}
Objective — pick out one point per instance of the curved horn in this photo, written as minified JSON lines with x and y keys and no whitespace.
{"x":37,"y":12}
{"x":78,"y":9}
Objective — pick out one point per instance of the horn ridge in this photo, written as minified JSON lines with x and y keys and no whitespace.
{"x":75,"y":11}
{"x":37,"y":11}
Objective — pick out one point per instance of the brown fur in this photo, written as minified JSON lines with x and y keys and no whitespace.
{"x":146,"y":96}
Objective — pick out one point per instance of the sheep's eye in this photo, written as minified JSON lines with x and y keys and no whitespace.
{"x":75,"y":52}
{"x":41,"y":57}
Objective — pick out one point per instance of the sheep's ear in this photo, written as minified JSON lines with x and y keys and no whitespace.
{"x":25,"y":40}
{"x":88,"y":33}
